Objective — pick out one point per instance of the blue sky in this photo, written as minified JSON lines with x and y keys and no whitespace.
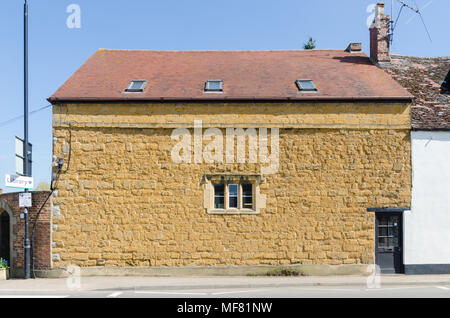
{"x":57,"y":51}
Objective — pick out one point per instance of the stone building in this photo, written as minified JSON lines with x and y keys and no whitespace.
{"x":217,"y":158}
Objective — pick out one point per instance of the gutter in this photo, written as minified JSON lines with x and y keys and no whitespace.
{"x":55,"y":100}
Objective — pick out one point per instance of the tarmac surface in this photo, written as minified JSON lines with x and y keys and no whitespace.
{"x":390,"y":286}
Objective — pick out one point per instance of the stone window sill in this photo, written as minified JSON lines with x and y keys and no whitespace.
{"x":233,"y":212}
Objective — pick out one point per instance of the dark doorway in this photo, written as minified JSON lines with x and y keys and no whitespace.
{"x":4,"y":236}
{"x":389,"y":242}
{"x":445,"y":88}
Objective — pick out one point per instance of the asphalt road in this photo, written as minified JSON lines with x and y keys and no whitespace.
{"x":392,"y":291}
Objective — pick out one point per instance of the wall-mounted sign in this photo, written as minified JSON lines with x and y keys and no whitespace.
{"x":19,"y":182}
{"x":20,"y":157}
{"x":25,"y":200}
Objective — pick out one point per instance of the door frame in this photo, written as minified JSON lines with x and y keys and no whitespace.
{"x":399,"y":269}
{"x":390,"y":212}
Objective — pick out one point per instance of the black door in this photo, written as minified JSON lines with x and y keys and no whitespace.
{"x":4,"y":236}
{"x":389,"y":242}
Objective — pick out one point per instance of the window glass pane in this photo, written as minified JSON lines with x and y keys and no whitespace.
{"x":247,"y":196}
{"x":247,"y":203}
{"x":383,"y":220}
{"x":233,"y":190}
{"x":395,"y":231}
{"x":383,"y":231}
{"x":214,"y":85}
{"x":137,"y":85}
{"x":219,"y":196}
{"x":233,"y":202}
{"x":383,"y":242}
{"x":219,"y":202}
{"x":247,"y":189}
{"x":307,"y":85}
{"x":219,"y":189}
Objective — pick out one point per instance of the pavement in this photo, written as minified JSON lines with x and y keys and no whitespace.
{"x":136,"y":284}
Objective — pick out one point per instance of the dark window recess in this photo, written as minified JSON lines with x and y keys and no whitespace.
{"x":445,"y":88}
{"x":219,"y":196}
{"x":247,"y":196}
{"x":233,"y":191}
{"x":136,"y":86}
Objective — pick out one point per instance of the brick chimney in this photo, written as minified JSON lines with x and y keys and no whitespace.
{"x":379,"y":36}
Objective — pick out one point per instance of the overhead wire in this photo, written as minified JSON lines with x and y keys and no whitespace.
{"x":9,"y":121}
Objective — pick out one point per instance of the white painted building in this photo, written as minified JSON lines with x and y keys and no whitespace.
{"x":426,"y":227}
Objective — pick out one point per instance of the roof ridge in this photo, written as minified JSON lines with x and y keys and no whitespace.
{"x":422,"y":57}
{"x":189,"y":51}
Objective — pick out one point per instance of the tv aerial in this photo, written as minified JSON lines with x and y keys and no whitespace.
{"x":415,"y":10}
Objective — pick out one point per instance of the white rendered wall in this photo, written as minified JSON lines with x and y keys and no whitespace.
{"x":427,"y":225}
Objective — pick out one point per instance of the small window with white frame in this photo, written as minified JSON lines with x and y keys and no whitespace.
{"x":232,"y":194}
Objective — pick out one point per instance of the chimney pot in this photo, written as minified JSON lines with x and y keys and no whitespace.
{"x":354,"y":47}
{"x":379,"y":11}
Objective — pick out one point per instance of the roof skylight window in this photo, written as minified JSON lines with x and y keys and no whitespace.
{"x":136,"y":86}
{"x":306,"y":85}
{"x":214,"y":86}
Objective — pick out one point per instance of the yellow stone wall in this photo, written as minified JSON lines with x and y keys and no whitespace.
{"x":124,"y":202}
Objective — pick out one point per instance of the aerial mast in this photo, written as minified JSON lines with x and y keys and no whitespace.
{"x":393,"y":23}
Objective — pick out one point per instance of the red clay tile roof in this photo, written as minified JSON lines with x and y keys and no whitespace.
{"x":424,"y":78}
{"x":254,"y":75}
